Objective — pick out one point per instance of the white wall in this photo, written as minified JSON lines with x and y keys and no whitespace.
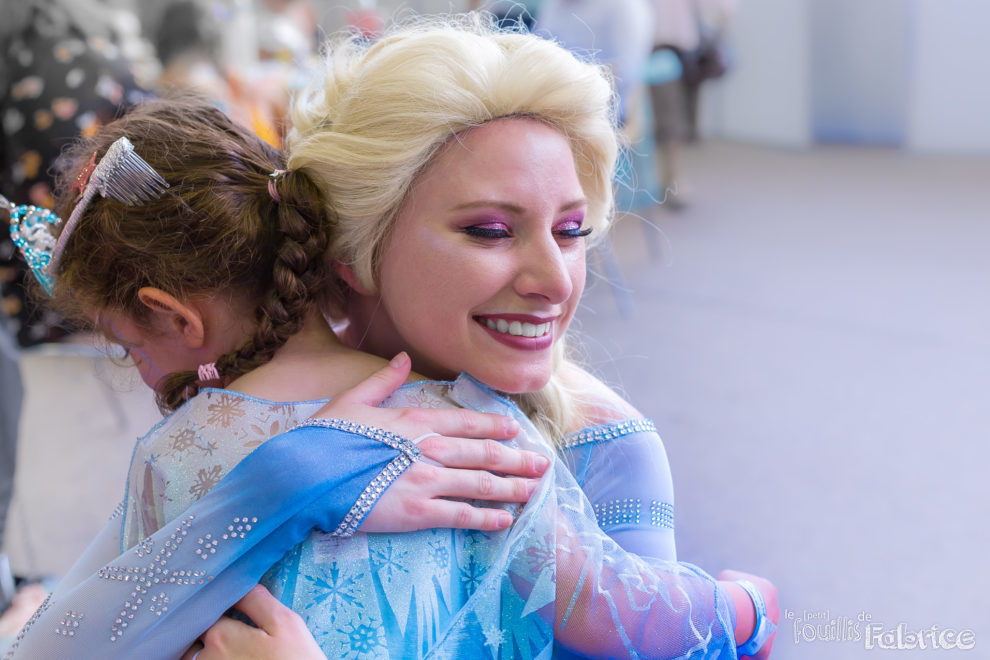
{"x":860,"y":71}
{"x":766,"y":98}
{"x":950,"y":96}
{"x":770,"y":97}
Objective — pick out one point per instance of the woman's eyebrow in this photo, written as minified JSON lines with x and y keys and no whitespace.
{"x":512,"y":207}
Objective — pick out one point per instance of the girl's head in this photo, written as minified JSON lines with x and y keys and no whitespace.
{"x":385,"y":117}
{"x":212,"y":270}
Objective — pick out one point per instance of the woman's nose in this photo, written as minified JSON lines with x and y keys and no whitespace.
{"x":545,"y":271}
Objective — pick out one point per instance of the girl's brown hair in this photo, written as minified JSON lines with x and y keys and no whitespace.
{"x":216,"y":231}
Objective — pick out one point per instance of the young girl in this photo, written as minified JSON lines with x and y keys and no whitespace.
{"x":465,"y":594}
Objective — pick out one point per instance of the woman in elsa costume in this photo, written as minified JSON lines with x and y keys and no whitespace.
{"x":497,"y":271}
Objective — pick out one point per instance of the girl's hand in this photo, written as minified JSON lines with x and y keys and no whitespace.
{"x":462,"y":443}
{"x":744,"y":607}
{"x":281,"y":633}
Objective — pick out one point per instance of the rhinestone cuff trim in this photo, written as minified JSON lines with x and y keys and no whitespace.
{"x":608,"y":432}
{"x":409,"y":453}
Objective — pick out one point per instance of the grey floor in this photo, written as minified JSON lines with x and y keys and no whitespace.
{"x":812,"y":337}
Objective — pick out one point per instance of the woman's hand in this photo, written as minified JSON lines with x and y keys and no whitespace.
{"x":462,"y":443}
{"x":745,"y":614}
{"x":281,"y":633}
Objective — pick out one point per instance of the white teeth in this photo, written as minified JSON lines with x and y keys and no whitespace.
{"x":518,"y":328}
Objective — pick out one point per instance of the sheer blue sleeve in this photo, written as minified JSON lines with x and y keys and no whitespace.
{"x":155,"y":599}
{"x":623,"y":469}
{"x":607,"y":601}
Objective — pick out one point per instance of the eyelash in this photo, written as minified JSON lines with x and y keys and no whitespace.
{"x":573,"y":233}
{"x":494,"y":234}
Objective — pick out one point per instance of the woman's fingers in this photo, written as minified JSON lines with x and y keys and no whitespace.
{"x":484,"y":455}
{"x":481,"y":485}
{"x":461,"y":515}
{"x":416,"y":500}
{"x":455,"y":422}
{"x":378,"y":386}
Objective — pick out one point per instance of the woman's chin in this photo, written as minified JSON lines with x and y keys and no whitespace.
{"x":517,"y":383}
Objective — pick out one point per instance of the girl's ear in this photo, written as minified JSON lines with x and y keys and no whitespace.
{"x":172,"y":314}
{"x":347,"y":274}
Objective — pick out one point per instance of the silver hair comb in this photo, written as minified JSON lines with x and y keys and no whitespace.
{"x":121,"y":175}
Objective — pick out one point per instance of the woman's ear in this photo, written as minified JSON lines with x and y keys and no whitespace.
{"x":347,"y":274}
{"x":172,"y":314}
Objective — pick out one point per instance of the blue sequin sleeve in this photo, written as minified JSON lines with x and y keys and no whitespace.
{"x":623,"y":469}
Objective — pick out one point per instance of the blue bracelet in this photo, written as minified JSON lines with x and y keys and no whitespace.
{"x":764,"y":627}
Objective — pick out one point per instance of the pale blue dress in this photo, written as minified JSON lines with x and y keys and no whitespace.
{"x":196,"y":542}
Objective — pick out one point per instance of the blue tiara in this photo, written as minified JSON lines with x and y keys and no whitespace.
{"x":31,"y":230}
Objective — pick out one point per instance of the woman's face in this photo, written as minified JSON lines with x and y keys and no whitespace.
{"x":486,"y":263}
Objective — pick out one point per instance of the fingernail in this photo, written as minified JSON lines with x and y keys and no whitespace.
{"x":542,"y":463}
{"x":504,"y":520}
{"x":531,"y":486}
{"x":511,"y":427}
{"x":399,"y":360}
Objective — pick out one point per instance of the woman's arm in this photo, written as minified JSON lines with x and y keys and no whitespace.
{"x":621,"y":465}
{"x":172,"y":585}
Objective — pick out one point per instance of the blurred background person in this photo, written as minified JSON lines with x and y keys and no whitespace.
{"x":693,"y":30}
{"x":510,"y":13}
{"x":616,"y":33}
{"x":63,"y":72}
{"x":247,"y":57}
{"x":190,"y":40}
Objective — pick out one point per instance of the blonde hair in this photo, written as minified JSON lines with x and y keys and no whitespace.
{"x":380,"y":112}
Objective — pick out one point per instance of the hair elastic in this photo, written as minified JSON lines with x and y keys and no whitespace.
{"x":208,"y":372}
{"x":272,"y":190}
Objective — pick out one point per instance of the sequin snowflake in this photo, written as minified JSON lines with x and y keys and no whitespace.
{"x":365,"y":638}
{"x":182,"y":440}
{"x":440,"y":553}
{"x":225,"y":410}
{"x":389,"y":560}
{"x":206,"y":479}
{"x":494,"y":638}
{"x":542,"y":555}
{"x":472,"y":574}
{"x":334,"y":591}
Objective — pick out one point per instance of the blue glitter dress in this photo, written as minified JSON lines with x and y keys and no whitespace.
{"x":553,"y":583}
